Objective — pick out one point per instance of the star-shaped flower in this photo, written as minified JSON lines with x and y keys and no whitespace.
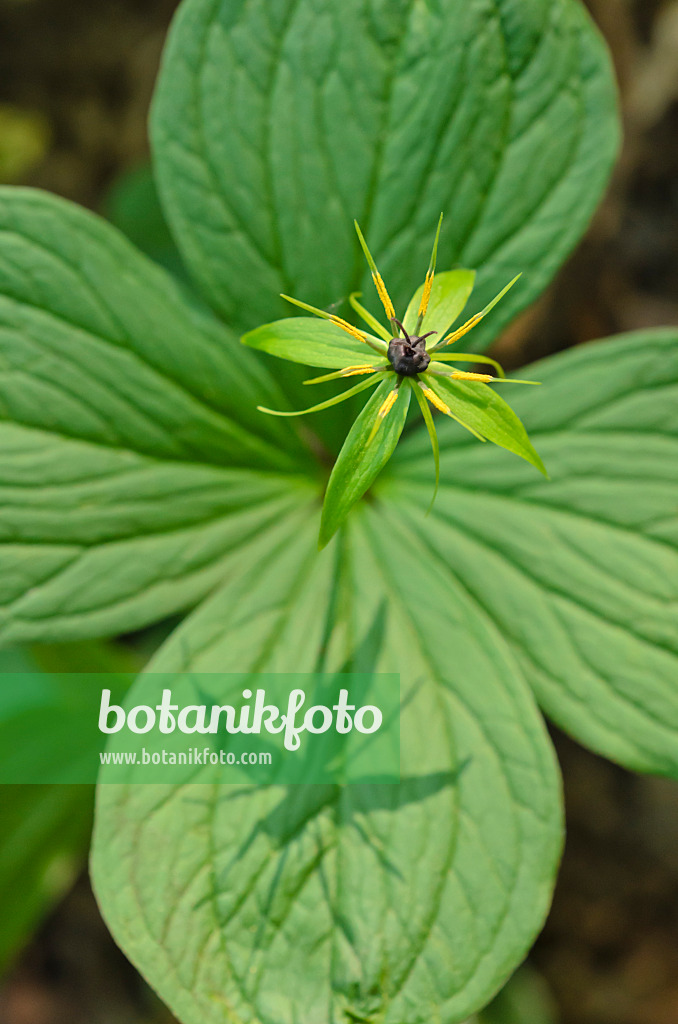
{"x":402,"y":361}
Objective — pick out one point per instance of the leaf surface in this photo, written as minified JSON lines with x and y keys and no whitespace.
{"x":132,"y":455}
{"x":580,"y":573}
{"x":44,"y":830}
{"x":275,"y":124}
{"x":399,"y":903}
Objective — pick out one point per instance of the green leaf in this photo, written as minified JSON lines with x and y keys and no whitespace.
{"x":132,"y":455}
{"x":44,"y":830}
{"x":450,"y":292}
{"x":366,"y":450}
{"x":132,"y":205}
{"x":398,"y":903}
{"x":579,"y":573}
{"x":312,"y":342}
{"x":275,"y":124}
{"x":481,"y":409}
{"x":44,"y":836}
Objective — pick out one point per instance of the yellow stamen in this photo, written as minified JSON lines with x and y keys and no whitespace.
{"x":383,"y":295}
{"x":484,"y":378}
{"x":376,"y":276}
{"x":426,"y":295}
{"x":468,"y":326}
{"x":384,"y":410}
{"x":346,"y":326}
{"x":353,"y":371}
{"x":434,"y":400}
{"x":387,"y":404}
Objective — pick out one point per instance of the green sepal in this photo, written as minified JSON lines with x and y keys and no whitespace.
{"x":439,"y":369}
{"x":470,"y":357}
{"x":368,"y":317}
{"x":361,"y":459}
{"x":450,"y":292}
{"x":355,"y":390}
{"x":477,"y":317}
{"x":312,"y":342}
{"x":482,"y":410}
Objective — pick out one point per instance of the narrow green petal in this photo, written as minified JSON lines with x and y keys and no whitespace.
{"x":434,"y":253}
{"x":429,"y":276}
{"x":364,"y":384}
{"x":470,"y":357}
{"x":367,"y":316}
{"x":430,"y":426}
{"x":305,"y":305}
{"x":341,"y":374}
{"x":490,"y":306}
{"x":377,"y":278}
{"x":440,"y":370}
{"x":368,"y":255}
{"x":470,"y":324}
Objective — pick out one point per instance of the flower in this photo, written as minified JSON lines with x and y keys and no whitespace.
{"x":403,"y":361}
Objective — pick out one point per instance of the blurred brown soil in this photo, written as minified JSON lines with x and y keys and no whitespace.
{"x":609,"y":950}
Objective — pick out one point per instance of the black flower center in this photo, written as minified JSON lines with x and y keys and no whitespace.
{"x":408,"y":356}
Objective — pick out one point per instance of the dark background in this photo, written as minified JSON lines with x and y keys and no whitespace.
{"x":76,"y":79}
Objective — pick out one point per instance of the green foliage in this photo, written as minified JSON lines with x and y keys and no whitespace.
{"x":132,"y":205}
{"x":277,"y":123}
{"x":579,"y":575}
{"x":44,"y":830}
{"x":460,"y":394}
{"x":450,"y":292}
{"x":366,"y":450}
{"x":311,"y":342}
{"x":138,"y":478}
{"x":393,"y":902}
{"x":487,"y":414}
{"x":556,"y":568}
{"x":132,"y":453}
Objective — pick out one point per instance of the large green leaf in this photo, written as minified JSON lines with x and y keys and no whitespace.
{"x":276,"y":122}
{"x":132,"y":455}
{"x":400,"y":903}
{"x":44,"y":830}
{"x":580,"y":573}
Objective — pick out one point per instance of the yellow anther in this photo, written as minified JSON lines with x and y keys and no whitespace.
{"x":349,"y":328}
{"x":384,"y":410}
{"x":353,"y":371}
{"x":468,"y":326}
{"x":426,"y":295}
{"x":484,"y":378}
{"x":383,"y":295}
{"x":434,"y":400}
{"x":387,"y":404}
